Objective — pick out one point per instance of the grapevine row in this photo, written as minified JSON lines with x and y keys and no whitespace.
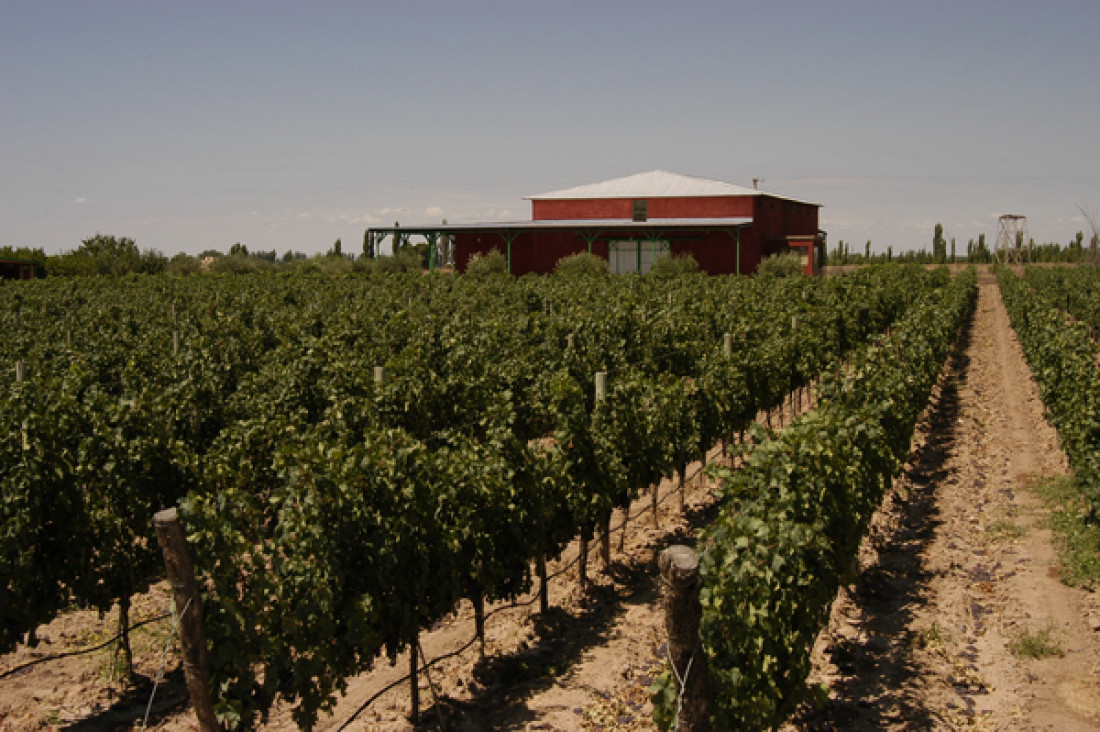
{"x":1062,"y":356}
{"x":793,"y":517}
{"x":334,"y":515}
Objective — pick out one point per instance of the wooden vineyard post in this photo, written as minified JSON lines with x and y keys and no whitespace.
{"x":478,"y":601}
{"x":582,"y":559}
{"x":605,"y":522}
{"x":605,"y":541}
{"x":544,"y":590}
{"x":414,"y":683}
{"x":379,"y":374}
{"x":185,"y":594}
{"x":656,"y":503}
{"x":683,"y":488}
{"x":679,"y":569}
{"x":20,"y":377}
{"x":727,"y":345}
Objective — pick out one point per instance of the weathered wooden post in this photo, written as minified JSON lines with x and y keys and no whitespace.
{"x":683,"y":488}
{"x":679,"y":569}
{"x":379,"y":374}
{"x":727,"y":345}
{"x":20,"y":377}
{"x":605,"y":522}
{"x":188,"y":600}
{"x":414,"y":681}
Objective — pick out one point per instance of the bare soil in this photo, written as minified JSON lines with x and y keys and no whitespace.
{"x":958,"y":567}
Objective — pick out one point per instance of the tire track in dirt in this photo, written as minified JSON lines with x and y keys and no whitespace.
{"x":959,"y":565}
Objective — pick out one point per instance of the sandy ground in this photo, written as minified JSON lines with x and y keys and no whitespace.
{"x":957,"y":566}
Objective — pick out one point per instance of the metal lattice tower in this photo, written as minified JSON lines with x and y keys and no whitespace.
{"x":1012,"y":242}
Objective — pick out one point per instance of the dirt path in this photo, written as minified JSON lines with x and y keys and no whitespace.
{"x":958,"y":566}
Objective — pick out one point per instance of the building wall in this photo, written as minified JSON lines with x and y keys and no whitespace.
{"x":775,"y":217}
{"x":715,"y":251}
{"x":17,"y":270}
{"x":658,"y":208}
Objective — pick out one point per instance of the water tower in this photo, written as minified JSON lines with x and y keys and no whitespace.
{"x":1012,"y":242}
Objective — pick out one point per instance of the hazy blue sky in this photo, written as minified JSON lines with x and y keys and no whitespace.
{"x":190,"y":124}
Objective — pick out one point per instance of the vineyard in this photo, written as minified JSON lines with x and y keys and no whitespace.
{"x":352,"y":457}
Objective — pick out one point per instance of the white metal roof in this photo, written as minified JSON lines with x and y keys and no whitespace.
{"x":655,"y":184}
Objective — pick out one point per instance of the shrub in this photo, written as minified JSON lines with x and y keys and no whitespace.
{"x":674,"y":266}
{"x":780,"y":265}
{"x":583,"y":263}
{"x":407,"y":259}
{"x":487,"y":264}
{"x":183,"y":264}
{"x":240,"y":264}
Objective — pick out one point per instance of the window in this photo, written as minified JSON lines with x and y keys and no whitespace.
{"x":635,"y":256}
{"x":641,"y":212}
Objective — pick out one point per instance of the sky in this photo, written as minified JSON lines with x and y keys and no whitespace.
{"x":192,"y":125}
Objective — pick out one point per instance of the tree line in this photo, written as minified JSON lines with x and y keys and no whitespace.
{"x":104,"y":254}
{"x":978,"y":251}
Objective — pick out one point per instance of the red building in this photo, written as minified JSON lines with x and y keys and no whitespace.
{"x":18,"y":269}
{"x":631,"y":221}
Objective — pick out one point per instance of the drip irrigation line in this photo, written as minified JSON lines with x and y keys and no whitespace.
{"x":81,"y":652}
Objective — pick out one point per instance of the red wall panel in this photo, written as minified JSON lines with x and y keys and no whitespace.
{"x":658,"y":208}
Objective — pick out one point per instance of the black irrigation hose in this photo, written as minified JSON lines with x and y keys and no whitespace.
{"x":81,"y":652}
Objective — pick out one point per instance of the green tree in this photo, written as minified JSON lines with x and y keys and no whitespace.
{"x":99,"y":255}
{"x":939,"y":245}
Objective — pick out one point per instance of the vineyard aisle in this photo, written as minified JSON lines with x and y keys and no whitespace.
{"x":959,"y":569}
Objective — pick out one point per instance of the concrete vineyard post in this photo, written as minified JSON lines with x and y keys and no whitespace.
{"x":188,"y":600}
{"x":679,"y":568}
